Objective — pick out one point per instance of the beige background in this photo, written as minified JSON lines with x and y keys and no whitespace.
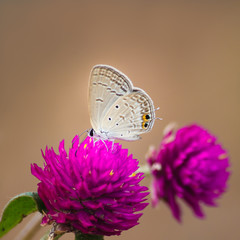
{"x":185,"y":55}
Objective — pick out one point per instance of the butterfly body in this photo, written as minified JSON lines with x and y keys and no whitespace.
{"x":117,"y":109}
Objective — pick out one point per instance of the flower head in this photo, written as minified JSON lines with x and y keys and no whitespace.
{"x":191,"y":165}
{"x":91,"y":189}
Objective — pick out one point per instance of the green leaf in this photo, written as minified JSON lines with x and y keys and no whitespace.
{"x":40,"y":205}
{"x":81,"y":236}
{"x":18,"y":208}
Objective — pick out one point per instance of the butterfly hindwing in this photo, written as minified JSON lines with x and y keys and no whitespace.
{"x":129,"y":116}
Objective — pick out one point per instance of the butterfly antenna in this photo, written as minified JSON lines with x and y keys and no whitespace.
{"x":80,"y":135}
{"x":79,"y":139}
{"x":156,"y":108}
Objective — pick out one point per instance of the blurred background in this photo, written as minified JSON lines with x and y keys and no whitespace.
{"x":184,"y":54}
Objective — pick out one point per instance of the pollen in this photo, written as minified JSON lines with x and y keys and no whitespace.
{"x":133,"y":175}
{"x":111,"y":173}
{"x":85,"y":146}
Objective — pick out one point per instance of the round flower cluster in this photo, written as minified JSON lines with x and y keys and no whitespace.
{"x":93,"y":188}
{"x":191,"y":165}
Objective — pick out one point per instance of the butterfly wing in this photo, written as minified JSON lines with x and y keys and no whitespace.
{"x":106,"y":86}
{"x":129,"y":116}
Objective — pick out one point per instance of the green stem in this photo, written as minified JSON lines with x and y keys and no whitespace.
{"x":47,"y":236}
{"x":81,"y":236}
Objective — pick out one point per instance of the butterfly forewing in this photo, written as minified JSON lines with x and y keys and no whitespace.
{"x":106,"y":86}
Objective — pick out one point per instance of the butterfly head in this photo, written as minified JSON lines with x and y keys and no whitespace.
{"x":91,"y":133}
{"x":98,"y":135}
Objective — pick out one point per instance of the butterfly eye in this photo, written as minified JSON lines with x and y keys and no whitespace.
{"x":91,"y":133}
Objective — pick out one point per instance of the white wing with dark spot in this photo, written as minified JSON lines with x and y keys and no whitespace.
{"x":117,"y":110}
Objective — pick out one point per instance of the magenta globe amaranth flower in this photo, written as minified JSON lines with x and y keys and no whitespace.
{"x":191,"y":165}
{"x":93,"y":188}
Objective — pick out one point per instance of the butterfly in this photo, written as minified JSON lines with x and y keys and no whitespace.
{"x":117,"y":109}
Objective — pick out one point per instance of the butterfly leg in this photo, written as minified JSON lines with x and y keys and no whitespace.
{"x":94,"y":141}
{"x":112,"y":144}
{"x":104,"y":144}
